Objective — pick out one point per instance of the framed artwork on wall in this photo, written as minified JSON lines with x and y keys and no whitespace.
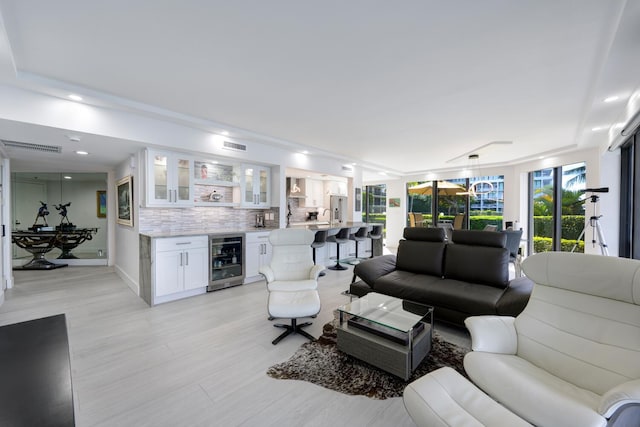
{"x":101,"y":204}
{"x":358,"y":199}
{"x":124,"y":201}
{"x":394,"y":202}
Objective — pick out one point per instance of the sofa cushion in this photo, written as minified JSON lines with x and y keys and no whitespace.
{"x":532,"y":393}
{"x":421,"y":257}
{"x":478,"y":264}
{"x":469,"y":298}
{"x":406,"y":285}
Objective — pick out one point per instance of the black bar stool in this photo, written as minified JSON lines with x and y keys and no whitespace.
{"x":340,"y":238}
{"x":375,"y":234}
{"x":319,"y":241}
{"x":359,"y":236}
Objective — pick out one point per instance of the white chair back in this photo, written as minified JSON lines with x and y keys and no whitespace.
{"x":292,"y":256}
{"x":582,"y":322}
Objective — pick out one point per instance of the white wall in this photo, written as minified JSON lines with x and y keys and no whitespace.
{"x":124,"y":250}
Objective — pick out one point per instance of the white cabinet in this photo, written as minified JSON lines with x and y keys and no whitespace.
{"x":180,"y":267}
{"x":169,"y":179}
{"x":314,"y":189}
{"x":335,"y":188}
{"x":255,"y":186}
{"x":258,"y":253}
{"x":214,"y":181}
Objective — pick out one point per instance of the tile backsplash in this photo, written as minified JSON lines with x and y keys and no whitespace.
{"x":155,"y":220}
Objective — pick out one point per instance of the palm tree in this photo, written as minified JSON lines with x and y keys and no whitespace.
{"x":579,"y":177}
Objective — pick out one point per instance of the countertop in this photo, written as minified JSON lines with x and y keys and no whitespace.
{"x":323,"y":225}
{"x":214,"y":232}
{"x":310,"y":225}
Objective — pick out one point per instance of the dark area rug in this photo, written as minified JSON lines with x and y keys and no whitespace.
{"x":320,"y":362}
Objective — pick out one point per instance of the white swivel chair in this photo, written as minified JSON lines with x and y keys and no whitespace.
{"x":292,"y":280}
{"x":571,"y":358}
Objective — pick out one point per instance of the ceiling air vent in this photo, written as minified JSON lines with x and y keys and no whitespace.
{"x":33,"y":147}
{"x":234,"y":146}
{"x":347,"y":168}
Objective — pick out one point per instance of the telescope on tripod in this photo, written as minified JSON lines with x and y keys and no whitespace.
{"x":594,"y":222}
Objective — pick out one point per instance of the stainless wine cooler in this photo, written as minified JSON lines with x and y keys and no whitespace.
{"x":227,"y":261}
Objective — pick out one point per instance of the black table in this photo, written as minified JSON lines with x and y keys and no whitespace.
{"x":38,"y":243}
{"x":35,"y":369}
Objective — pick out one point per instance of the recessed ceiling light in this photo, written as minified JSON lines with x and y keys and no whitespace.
{"x":82,"y":153}
{"x":67,"y":177}
{"x":75,"y":97}
{"x":597,"y":128}
{"x":305,"y":152}
{"x":225,"y":133}
{"x":354,"y":164}
{"x":611,"y":99}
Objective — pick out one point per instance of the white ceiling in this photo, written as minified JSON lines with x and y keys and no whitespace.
{"x":404,"y":86}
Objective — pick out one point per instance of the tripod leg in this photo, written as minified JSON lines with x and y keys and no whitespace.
{"x":573,"y":249}
{"x":603,"y":245}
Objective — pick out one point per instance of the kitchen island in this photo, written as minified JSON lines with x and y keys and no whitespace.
{"x":334,"y":227}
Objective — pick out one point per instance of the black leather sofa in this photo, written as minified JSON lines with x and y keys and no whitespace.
{"x":465,"y":278}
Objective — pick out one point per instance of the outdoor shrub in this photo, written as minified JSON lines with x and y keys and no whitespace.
{"x":543,"y":244}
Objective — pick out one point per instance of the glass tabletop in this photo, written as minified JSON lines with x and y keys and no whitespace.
{"x":395,"y":313}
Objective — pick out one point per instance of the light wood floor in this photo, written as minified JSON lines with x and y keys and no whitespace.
{"x":195,"y":362}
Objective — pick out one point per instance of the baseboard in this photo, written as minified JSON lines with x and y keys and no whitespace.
{"x":133,"y":284}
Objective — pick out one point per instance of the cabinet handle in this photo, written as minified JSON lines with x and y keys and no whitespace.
{"x":183,"y":243}
{"x":187,"y":253}
{"x":181,"y":264}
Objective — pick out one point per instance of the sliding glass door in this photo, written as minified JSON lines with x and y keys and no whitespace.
{"x":461,"y":203}
{"x":374,"y":207}
{"x":557,"y":209}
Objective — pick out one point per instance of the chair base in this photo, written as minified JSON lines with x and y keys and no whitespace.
{"x":293,"y":328}
{"x":338,"y":266}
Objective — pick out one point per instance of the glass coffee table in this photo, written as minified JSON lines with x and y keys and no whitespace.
{"x":390,"y":333}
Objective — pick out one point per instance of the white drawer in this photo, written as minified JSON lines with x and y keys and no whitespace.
{"x":177,"y":243}
{"x":257,"y":237}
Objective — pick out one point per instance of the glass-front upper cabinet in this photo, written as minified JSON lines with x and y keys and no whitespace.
{"x":255,"y":186}
{"x":169,"y":179}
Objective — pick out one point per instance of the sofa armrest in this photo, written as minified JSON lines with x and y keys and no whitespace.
{"x":619,"y":396}
{"x":492,"y":334}
{"x":515,"y":297}
{"x":371,"y":269}
{"x":268,"y":273}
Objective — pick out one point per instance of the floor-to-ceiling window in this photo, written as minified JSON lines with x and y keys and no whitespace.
{"x":374,"y":207}
{"x":557,"y":209}
{"x":465,"y":203}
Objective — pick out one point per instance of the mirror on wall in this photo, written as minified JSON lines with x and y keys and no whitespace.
{"x":82,"y":196}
